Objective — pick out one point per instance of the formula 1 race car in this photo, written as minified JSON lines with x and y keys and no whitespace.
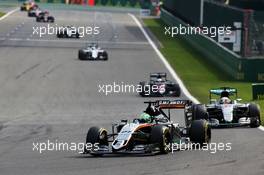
{"x":34,"y":12}
{"x":227,"y":112}
{"x":155,"y":136}
{"x":45,"y":17}
{"x":92,"y":52}
{"x":159,"y":86}
{"x":28,"y":5}
{"x":68,"y":32}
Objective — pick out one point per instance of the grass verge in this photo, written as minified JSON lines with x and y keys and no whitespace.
{"x":2,"y":14}
{"x":198,"y":75}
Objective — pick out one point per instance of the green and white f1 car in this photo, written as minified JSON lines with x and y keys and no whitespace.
{"x":150,"y":136}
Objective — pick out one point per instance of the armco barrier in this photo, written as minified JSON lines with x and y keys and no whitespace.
{"x":238,"y":68}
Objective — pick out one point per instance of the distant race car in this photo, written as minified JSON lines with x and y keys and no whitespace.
{"x":68,"y":32}
{"x":34,"y":12}
{"x":45,"y":17}
{"x":155,"y":136}
{"x":92,"y":52}
{"x":230,"y":112}
{"x":28,"y":5}
{"x":159,"y":86}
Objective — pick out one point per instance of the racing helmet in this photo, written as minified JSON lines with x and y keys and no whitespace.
{"x":159,"y":80}
{"x":225,"y":100}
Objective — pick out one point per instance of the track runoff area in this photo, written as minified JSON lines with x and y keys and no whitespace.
{"x":49,"y":96}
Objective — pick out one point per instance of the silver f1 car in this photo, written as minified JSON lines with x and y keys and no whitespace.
{"x":154,"y":136}
{"x":92,"y":52}
{"x":227,"y":112}
{"x":159,"y":86}
{"x":68,"y":32}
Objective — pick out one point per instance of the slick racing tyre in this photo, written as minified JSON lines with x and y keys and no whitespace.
{"x":199,"y":112}
{"x":160,"y":135}
{"x":105,"y":55}
{"x":50,"y":19}
{"x":200,"y":132}
{"x":254,"y":115}
{"x":81,"y":55}
{"x":177,"y":89}
{"x":96,"y":135}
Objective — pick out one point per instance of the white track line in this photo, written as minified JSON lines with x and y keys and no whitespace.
{"x":165,"y":62}
{"x":77,"y":41}
{"x":167,"y":65}
{"x":8,"y":13}
{"x":261,"y":128}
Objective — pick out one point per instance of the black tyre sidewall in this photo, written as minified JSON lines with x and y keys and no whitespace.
{"x":158,"y":136}
{"x":200,"y":132}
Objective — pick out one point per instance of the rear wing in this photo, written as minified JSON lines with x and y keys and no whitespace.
{"x":158,"y":75}
{"x":223,"y":92}
{"x":168,"y":104}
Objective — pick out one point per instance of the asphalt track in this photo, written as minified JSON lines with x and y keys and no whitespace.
{"x":46,"y":93}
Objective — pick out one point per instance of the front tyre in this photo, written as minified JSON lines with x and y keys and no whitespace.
{"x":254,"y":115}
{"x":96,"y":135}
{"x":160,"y":135}
{"x":105,"y":56}
{"x":81,"y":55}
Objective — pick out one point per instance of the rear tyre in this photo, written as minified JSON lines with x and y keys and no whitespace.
{"x":177,"y":90}
{"x":200,"y":132}
{"x":96,"y":135}
{"x":199,"y":112}
{"x":254,"y":115}
{"x":160,"y":135}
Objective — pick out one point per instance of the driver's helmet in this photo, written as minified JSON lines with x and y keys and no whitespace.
{"x":159,"y":80}
{"x":145,"y":117}
{"x":225,"y":100}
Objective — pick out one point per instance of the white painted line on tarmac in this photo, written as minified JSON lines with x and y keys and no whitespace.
{"x":80,"y":41}
{"x":8,"y":13}
{"x":165,"y":62}
{"x":261,"y":127}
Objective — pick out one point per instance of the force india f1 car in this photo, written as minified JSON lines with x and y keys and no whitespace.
{"x":92,"y":52}
{"x":45,"y":17}
{"x":226,"y":112}
{"x":68,"y":32}
{"x":163,"y":87}
{"x":153,"y":137}
{"x":34,"y":12}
